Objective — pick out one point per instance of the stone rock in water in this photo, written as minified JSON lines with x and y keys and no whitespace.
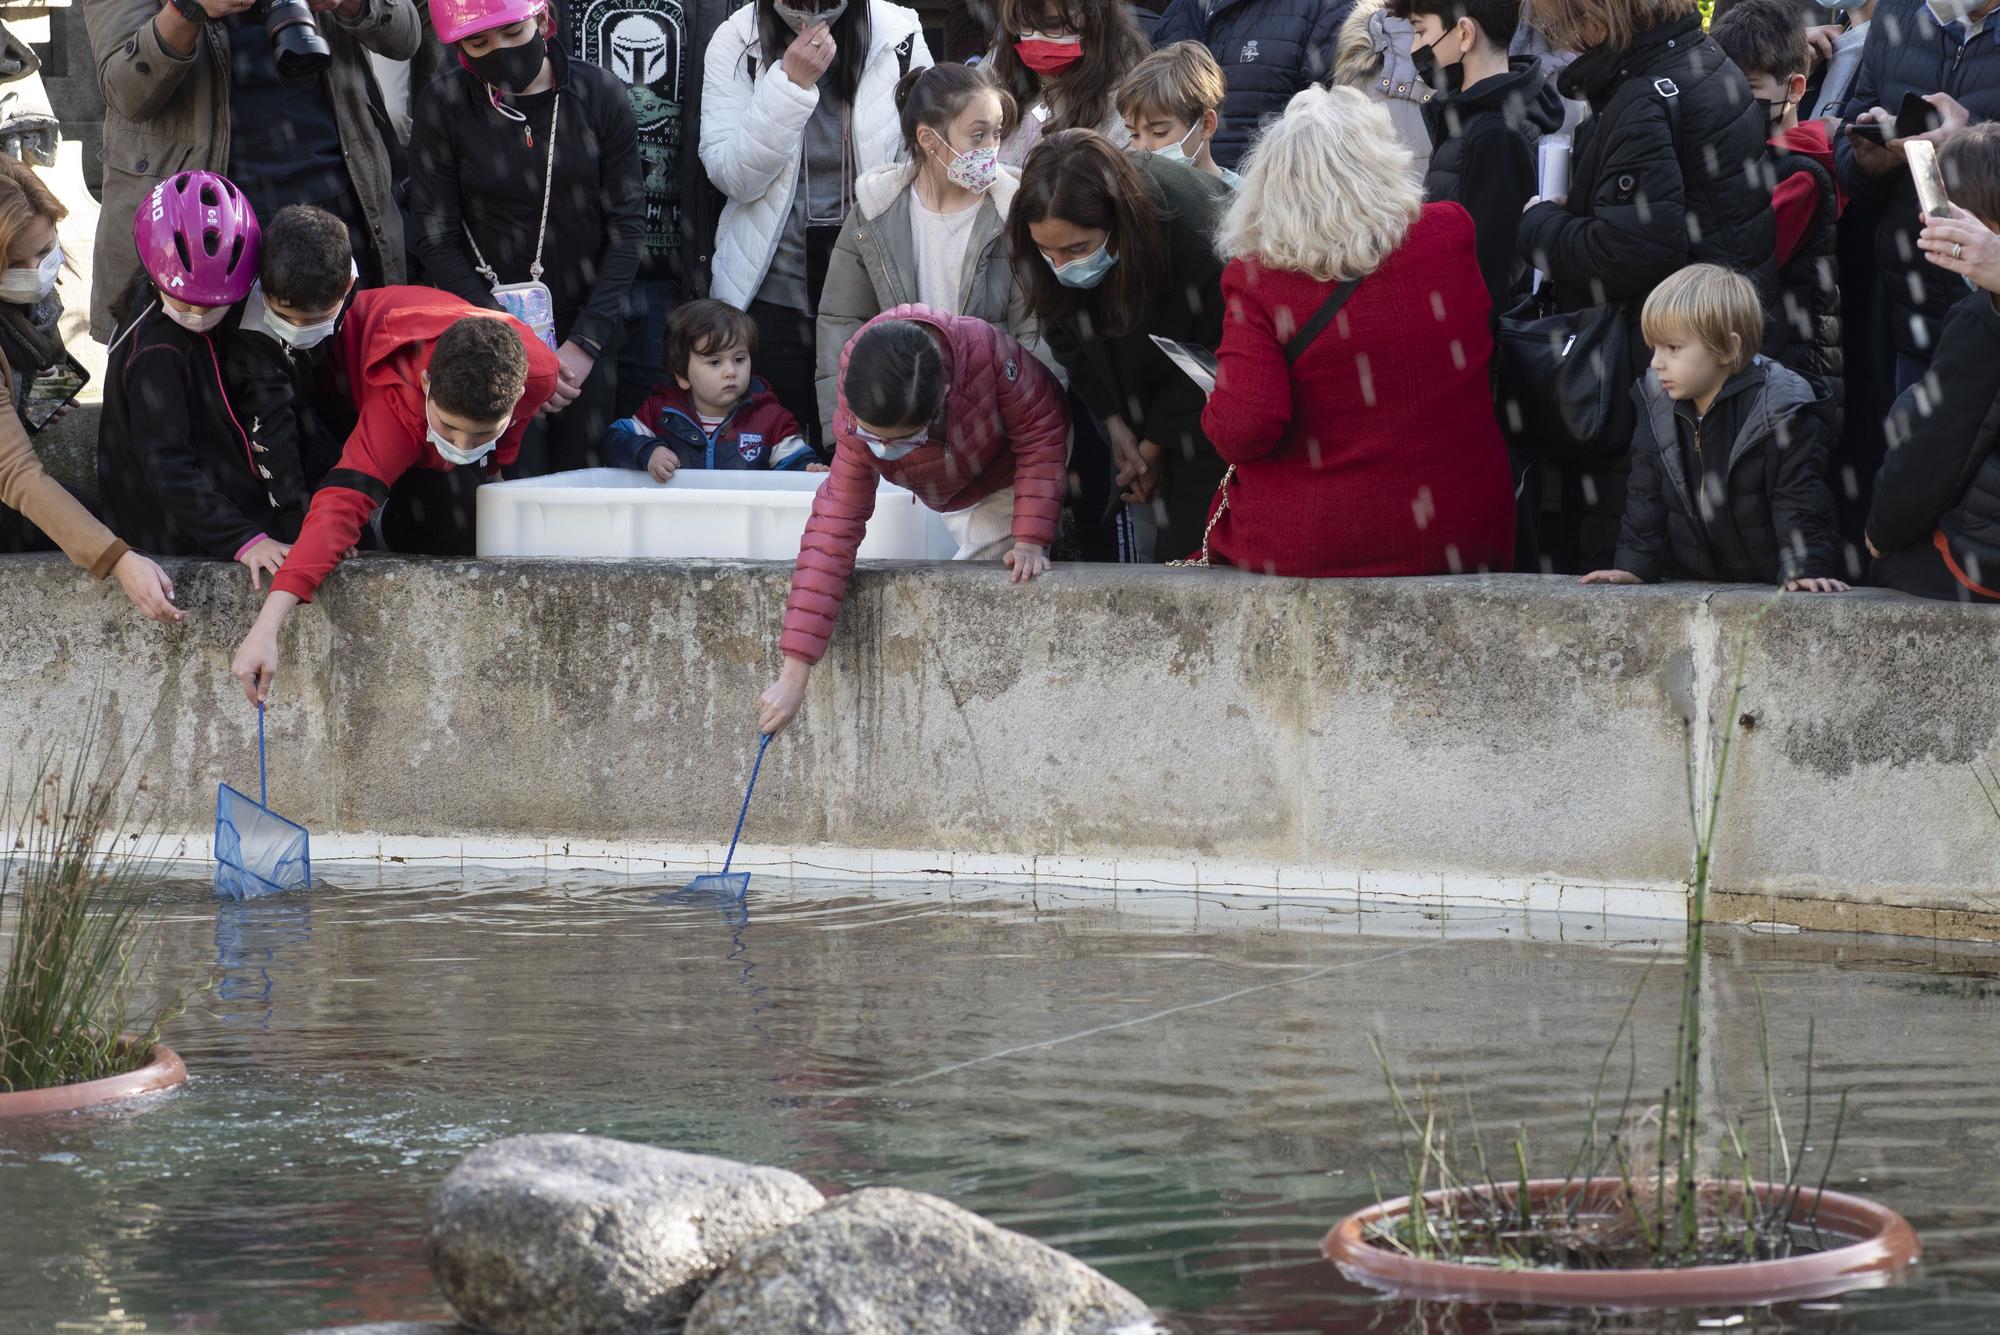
{"x":583,"y":1235}
{"x":883,"y":1261}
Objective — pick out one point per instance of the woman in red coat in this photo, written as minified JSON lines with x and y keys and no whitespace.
{"x":1373,"y":450}
{"x":958,"y":412}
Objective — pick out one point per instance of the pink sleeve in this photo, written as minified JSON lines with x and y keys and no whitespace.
{"x":1035,"y":411}
{"x":840,"y":512}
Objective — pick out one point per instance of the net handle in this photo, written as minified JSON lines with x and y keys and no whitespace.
{"x":764,"y":742}
{"x":263,"y":792}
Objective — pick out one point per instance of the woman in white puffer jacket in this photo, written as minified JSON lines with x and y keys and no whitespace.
{"x":798,"y":100}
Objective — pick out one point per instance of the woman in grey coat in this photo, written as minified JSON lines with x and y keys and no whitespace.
{"x":930,"y":231}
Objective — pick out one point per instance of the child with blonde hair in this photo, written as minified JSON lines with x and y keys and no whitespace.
{"x":1729,"y":457}
{"x":1171,"y":103}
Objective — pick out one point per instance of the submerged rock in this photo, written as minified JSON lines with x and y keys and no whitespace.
{"x":583,"y":1235}
{"x":883,"y":1261}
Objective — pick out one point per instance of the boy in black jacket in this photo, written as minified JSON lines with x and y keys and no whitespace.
{"x":1729,"y":458}
{"x":1484,"y":123}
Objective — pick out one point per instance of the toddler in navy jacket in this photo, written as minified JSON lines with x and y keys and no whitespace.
{"x":714,"y":413}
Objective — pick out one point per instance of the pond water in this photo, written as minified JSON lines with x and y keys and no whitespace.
{"x":1177,"y":1089}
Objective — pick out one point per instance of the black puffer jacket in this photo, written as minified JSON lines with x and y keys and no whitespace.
{"x":1907,"y":51}
{"x":1645,"y":201}
{"x":1809,"y":286}
{"x":1942,"y":474}
{"x":1483,"y":158}
{"x":1268,"y":50}
{"x":1775,"y":520}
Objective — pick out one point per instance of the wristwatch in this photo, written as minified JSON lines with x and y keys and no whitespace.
{"x":191,"y":10}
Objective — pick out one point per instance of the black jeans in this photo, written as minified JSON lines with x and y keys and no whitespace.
{"x":786,"y":359}
{"x":571,"y":438}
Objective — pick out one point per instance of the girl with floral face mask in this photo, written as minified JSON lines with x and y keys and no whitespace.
{"x":930,"y":231}
{"x":178,"y":470}
{"x":1062,"y":61}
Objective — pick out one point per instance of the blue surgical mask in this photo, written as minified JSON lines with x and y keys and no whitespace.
{"x":888,"y":451}
{"x":1088,"y":271}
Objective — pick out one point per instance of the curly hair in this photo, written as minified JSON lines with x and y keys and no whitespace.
{"x":479,"y":368}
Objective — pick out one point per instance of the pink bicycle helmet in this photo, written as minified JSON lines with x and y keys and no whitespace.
{"x":198,"y":238}
{"x":456,"y":20}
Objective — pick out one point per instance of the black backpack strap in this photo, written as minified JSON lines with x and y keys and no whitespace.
{"x":903,"y":56}
{"x":1321,"y":319}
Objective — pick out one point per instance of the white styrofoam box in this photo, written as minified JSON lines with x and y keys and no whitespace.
{"x":621,"y":512}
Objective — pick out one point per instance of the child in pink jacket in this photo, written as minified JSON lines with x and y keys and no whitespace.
{"x":956,"y":411}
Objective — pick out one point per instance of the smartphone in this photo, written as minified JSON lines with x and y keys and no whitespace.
{"x":50,"y":392}
{"x":1916,"y":116}
{"x":1930,"y":181}
{"x":1873,"y":131}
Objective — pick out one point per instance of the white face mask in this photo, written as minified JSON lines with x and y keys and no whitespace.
{"x":1179,"y":152}
{"x":452,"y":453}
{"x":300,"y":336}
{"x":25,"y":287}
{"x":195,"y":324}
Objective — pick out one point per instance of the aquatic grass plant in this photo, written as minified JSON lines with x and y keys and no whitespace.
{"x":1664,"y":1211}
{"x":79,"y":901}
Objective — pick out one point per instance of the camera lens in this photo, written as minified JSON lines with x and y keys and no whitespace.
{"x":297,"y":49}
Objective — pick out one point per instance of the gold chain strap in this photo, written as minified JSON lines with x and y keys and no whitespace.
{"x":1221,"y":509}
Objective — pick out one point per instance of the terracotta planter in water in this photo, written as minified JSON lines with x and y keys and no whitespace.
{"x":1880,"y":1247}
{"x":163,"y":1070}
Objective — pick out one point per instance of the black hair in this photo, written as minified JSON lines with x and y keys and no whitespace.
{"x":850,"y":33}
{"x":895,"y":375}
{"x":936,"y":94}
{"x":698,"y":328}
{"x":1081,"y":178}
{"x":1763,"y":37}
{"x":1496,"y":18}
{"x":479,"y":368}
{"x":308,"y":258}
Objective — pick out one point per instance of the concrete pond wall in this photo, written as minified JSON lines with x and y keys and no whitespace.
{"x":1513,"y":741}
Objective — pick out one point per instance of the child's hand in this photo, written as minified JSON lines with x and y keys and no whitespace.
{"x":1611,"y":577}
{"x":1815,"y":586}
{"x":818,"y":468}
{"x":1025,"y":561}
{"x":779,"y":704}
{"x":662,"y":464}
{"x":264,"y":557}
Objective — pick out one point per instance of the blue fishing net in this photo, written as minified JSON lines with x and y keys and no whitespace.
{"x":257,"y":851}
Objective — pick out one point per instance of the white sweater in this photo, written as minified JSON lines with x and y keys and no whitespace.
{"x":753,"y":130}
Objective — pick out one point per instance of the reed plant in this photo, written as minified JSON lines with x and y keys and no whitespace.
{"x":75,"y":898}
{"x":1666,"y":1210}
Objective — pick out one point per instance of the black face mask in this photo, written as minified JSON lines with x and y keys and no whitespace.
{"x":1442,"y":78}
{"x":1773,"y":112}
{"x":511,"y":68}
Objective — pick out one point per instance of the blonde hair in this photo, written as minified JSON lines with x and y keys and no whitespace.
{"x":1181,"y":81}
{"x":1563,"y":22}
{"x":1706,"y":303}
{"x":1355,"y":59}
{"x":23,"y":198}
{"x":1327,"y":189}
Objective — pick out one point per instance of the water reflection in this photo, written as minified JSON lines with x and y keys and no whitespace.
{"x":1175,"y":1087}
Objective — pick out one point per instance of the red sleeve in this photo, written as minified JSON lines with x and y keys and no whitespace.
{"x":1252,"y":404}
{"x":1796,"y":202}
{"x":840,"y":513}
{"x":381,"y":449}
{"x":1035,"y":412}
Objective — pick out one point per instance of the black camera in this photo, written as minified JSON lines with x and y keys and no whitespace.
{"x":297,"y":49}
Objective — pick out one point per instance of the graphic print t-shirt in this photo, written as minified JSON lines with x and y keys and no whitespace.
{"x":644,"y":44}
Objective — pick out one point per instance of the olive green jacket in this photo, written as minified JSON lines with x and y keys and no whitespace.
{"x":167,"y":111}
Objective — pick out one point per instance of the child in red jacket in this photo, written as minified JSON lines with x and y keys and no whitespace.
{"x":710,"y":412}
{"x":958,"y":412}
{"x":440,"y":387}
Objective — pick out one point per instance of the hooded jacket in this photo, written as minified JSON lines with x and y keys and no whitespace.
{"x":874,"y":269}
{"x":1646,"y":199}
{"x":384,"y":347}
{"x":1807,"y":202}
{"x":759,"y":433}
{"x":1775,"y":520}
{"x":1268,"y":50}
{"x":470,"y":169}
{"x":753,"y":126}
{"x":166,"y":111}
{"x":1909,"y":51}
{"x":1483,"y":157}
{"x":178,"y":472}
{"x":1940,"y":483}
{"x":1005,"y":424}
